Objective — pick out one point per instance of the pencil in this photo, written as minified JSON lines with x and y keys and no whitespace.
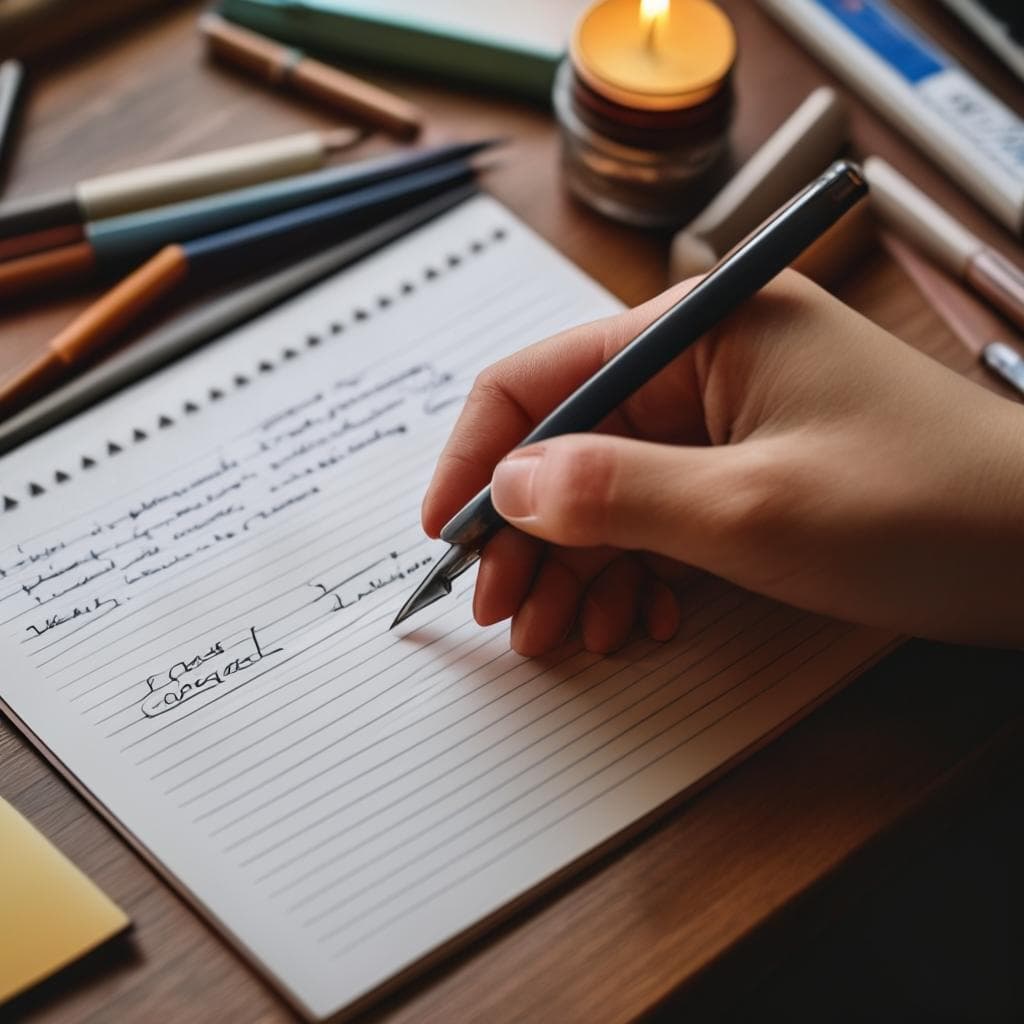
{"x":125,"y":191}
{"x":238,"y":249}
{"x":116,"y":244}
{"x":289,"y":68}
{"x":169,"y":343}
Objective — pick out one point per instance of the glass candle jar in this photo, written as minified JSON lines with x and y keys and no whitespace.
{"x":645,"y":110}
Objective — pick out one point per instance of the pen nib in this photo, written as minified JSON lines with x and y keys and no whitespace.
{"x":455,"y":561}
{"x":432,"y":589}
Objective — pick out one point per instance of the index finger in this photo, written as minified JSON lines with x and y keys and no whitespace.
{"x":512,"y":395}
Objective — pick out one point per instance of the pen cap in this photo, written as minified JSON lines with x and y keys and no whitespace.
{"x":201,"y":175}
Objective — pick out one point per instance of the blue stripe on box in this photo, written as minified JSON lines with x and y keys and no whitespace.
{"x":890,"y":36}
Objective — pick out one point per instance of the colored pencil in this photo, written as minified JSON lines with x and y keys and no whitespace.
{"x":190,"y":331}
{"x":237,"y":250}
{"x":116,"y":244}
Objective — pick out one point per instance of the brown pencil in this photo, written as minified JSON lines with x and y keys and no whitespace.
{"x":283,"y":66}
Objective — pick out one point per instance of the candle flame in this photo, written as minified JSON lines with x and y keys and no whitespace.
{"x":653,"y":10}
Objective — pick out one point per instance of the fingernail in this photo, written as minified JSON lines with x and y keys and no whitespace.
{"x":512,"y":484}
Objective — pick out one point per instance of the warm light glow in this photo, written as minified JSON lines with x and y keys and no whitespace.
{"x":651,"y":10}
{"x":652,"y":14}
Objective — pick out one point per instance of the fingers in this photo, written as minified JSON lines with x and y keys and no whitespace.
{"x":610,"y":606}
{"x":507,"y":568}
{"x":591,"y":490}
{"x":509,"y":398}
{"x":619,"y":592}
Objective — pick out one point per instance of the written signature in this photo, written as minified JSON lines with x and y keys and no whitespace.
{"x":189,"y":678}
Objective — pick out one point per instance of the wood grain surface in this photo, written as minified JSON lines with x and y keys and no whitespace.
{"x":694,"y":911}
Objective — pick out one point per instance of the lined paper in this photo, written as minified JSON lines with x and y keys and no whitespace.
{"x":196,"y":580}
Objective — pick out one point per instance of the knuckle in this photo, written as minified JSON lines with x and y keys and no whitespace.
{"x":584,"y":492}
{"x":489,"y":383}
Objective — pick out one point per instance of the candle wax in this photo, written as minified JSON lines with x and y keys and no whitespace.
{"x":678,"y":61}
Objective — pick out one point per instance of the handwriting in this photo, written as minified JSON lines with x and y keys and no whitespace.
{"x":225,"y":466}
{"x":92,"y":556}
{"x":105,"y":606}
{"x":269,"y":513}
{"x":344,"y":596}
{"x":187,"y":679}
{"x":202,"y":524}
{"x":346,"y":427}
{"x":83,"y":581}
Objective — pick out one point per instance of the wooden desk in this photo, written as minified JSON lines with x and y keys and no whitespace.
{"x":695,"y":909}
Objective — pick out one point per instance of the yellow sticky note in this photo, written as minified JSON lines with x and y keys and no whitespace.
{"x":50,"y":913}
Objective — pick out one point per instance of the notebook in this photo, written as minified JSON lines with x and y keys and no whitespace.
{"x":50,"y":913}
{"x":514,"y":48}
{"x":197,"y":582}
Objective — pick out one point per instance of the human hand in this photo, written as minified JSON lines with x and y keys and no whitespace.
{"x":797,"y":450}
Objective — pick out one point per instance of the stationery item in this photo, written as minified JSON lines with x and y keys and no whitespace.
{"x":288,"y":68}
{"x":188,"y":332}
{"x":1005,"y":362}
{"x":235,"y":249}
{"x":999,"y":24}
{"x":799,"y":150}
{"x":747,"y":270}
{"x":12,"y":77}
{"x":124,"y":191}
{"x":512,"y":47}
{"x":116,"y":244}
{"x":904,"y":207}
{"x":973,"y":324}
{"x":935,"y":102}
{"x":644,"y":102}
{"x":198,"y":575}
{"x":50,"y":913}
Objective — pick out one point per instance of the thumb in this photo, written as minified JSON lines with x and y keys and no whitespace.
{"x":590,"y":490}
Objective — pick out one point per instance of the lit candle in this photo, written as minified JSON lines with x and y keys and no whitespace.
{"x":652,"y":12}
{"x":644,"y":101}
{"x":653,"y":56}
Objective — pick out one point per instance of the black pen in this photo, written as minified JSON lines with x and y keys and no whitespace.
{"x":742,"y":273}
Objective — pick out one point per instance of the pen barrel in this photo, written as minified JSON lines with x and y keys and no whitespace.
{"x":298,"y":231}
{"x":28,"y":274}
{"x":247,"y":50}
{"x":40,"y":241}
{"x":33,"y":214}
{"x":108,"y":316}
{"x":176,"y":180}
{"x":1001,"y":282}
{"x":748,"y":269}
{"x":284,"y":66}
{"x":363,"y":101}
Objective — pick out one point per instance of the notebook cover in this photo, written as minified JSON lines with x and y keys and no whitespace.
{"x":50,"y":913}
{"x":333,"y":28}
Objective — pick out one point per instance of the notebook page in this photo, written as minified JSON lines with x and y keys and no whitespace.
{"x":196,"y":580}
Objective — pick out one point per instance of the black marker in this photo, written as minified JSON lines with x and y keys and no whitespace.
{"x":734,"y":280}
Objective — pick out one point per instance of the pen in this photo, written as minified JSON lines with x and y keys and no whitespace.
{"x":288,"y":68}
{"x":233,"y":251}
{"x":141,"y":187}
{"x":115,"y":244}
{"x":187,"y":332}
{"x":742,"y":273}
{"x":920,"y":219}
